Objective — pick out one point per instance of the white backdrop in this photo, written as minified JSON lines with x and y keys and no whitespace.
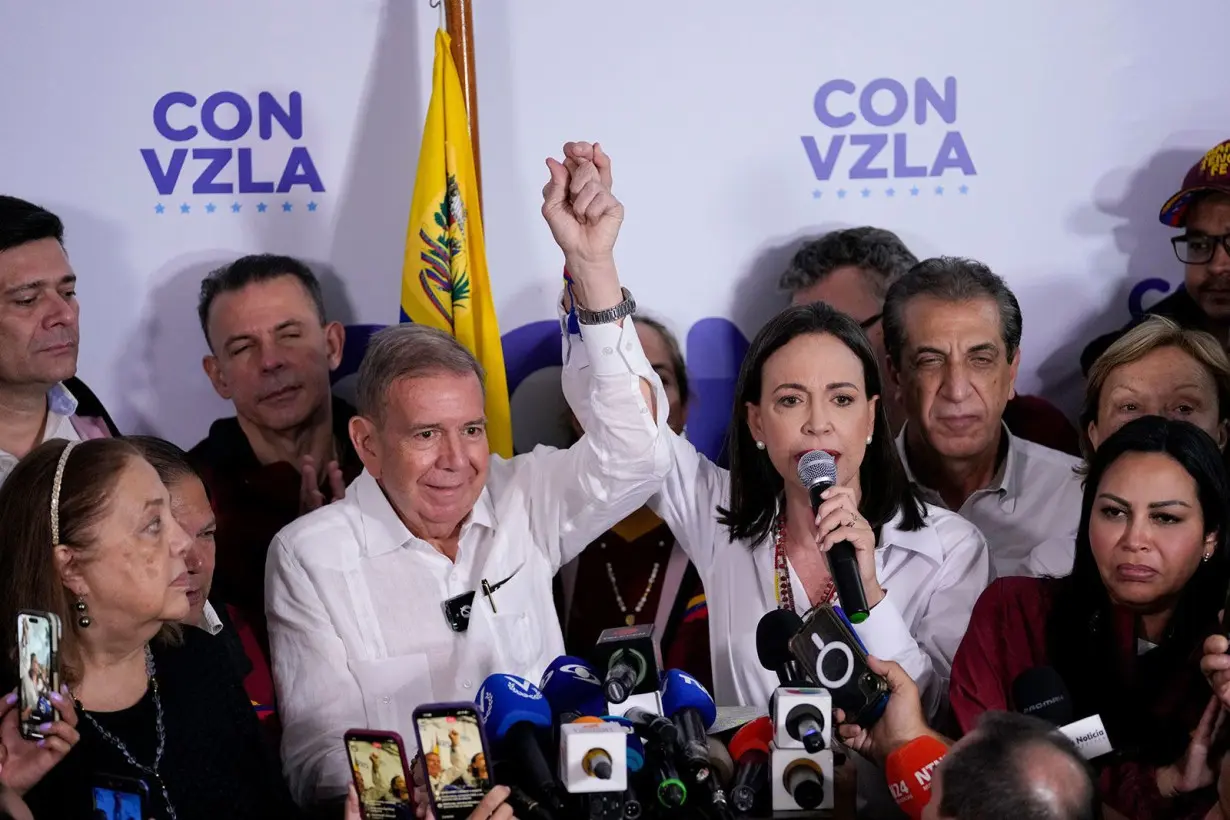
{"x":1078,"y":120}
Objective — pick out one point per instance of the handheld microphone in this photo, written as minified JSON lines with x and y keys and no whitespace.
{"x":1041,"y":692}
{"x":672,"y":793}
{"x":656,"y":728}
{"x":910,"y":770}
{"x":686,"y":701}
{"x":636,"y":749}
{"x":512,"y":709}
{"x":818,"y":472}
{"x":750,"y":749}
{"x":630,"y":659}
{"x":773,"y":634}
{"x":572,"y":688}
{"x":720,"y":762}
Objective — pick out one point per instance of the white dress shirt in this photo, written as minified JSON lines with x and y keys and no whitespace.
{"x":354,"y":600}
{"x":931,"y":578}
{"x":61,"y":404}
{"x":1034,"y":497}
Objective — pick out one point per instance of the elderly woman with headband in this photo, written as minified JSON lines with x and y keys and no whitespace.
{"x":1155,"y":369}
{"x":86,"y":532}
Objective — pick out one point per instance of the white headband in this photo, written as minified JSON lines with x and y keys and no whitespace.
{"x":55,"y":492}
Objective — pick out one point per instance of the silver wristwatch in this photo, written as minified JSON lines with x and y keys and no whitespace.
{"x":603,"y":317}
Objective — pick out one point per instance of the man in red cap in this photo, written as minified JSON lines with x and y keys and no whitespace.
{"x":1202,"y":209}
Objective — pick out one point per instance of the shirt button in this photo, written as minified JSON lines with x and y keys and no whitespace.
{"x":387,"y":699}
{"x":467,"y":684}
{"x":606,"y":351}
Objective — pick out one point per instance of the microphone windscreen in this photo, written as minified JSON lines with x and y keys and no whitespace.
{"x":720,"y":760}
{"x":571,"y":685}
{"x":773,"y":635}
{"x":682,"y":691}
{"x":506,"y":700}
{"x":909,"y":771}
{"x":1041,"y":692}
{"x":817,"y":467}
{"x":636,"y":747}
{"x":755,"y":735}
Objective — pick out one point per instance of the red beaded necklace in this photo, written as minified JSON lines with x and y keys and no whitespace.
{"x":782,"y":589}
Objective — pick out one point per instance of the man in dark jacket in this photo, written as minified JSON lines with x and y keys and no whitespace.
{"x":40,"y":396}
{"x":287,"y":450}
{"x":1202,"y":209}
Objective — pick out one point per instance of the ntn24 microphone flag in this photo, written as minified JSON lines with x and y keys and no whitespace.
{"x":444,"y":280}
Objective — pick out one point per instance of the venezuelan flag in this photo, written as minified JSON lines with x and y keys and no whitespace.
{"x":444,"y":281}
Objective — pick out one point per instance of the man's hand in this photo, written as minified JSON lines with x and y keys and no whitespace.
{"x":902,"y":721}
{"x":583,"y":214}
{"x":310,"y":496}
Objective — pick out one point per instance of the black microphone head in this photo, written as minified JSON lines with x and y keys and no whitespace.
{"x":1040,"y":692}
{"x":817,"y":467}
{"x":773,"y":635}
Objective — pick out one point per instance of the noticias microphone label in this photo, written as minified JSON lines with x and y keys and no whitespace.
{"x":1089,"y":735}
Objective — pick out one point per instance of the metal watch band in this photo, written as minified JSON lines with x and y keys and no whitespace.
{"x":603,"y":317}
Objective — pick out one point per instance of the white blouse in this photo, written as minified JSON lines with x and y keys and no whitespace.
{"x":931,"y":578}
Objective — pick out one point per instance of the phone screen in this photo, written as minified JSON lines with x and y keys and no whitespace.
{"x":115,"y":802}
{"x":380,"y":778}
{"x":455,"y":758}
{"x":37,"y":671}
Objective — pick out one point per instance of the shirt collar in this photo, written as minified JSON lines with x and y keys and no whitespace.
{"x":213,"y":625}
{"x":61,"y":401}
{"x":1006,"y":479}
{"x":925,"y":541}
{"x":383,"y":529}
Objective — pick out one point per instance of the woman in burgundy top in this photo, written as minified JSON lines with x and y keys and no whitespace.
{"x":1124,"y":630}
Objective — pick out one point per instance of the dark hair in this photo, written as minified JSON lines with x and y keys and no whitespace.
{"x":168,"y":459}
{"x":1080,"y":630}
{"x":874,"y":251}
{"x":29,"y":578}
{"x":985,"y":776}
{"x":673,"y":350}
{"x":950,"y":279}
{"x":756,"y":488}
{"x":23,"y":222}
{"x":247,"y":270}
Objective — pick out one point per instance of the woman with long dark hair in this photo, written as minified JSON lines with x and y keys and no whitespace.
{"x":810,"y":382}
{"x":1124,"y":630}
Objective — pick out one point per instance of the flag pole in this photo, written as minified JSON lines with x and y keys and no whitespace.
{"x":460,"y":27}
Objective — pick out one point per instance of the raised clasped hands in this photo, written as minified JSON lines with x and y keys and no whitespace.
{"x":583,"y":214}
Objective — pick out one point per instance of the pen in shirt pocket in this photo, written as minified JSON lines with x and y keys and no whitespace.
{"x":490,"y":588}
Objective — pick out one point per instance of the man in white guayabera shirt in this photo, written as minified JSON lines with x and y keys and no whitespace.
{"x":359,"y":593}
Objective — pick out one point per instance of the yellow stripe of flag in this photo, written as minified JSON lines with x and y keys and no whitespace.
{"x":444,"y":281}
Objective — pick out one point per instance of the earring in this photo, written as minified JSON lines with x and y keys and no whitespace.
{"x":83,"y":614}
{"x":1206,"y":558}
{"x":760,"y":445}
{"x":869,"y":439}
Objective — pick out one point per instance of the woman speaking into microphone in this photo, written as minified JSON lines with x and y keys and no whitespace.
{"x":810,"y":382}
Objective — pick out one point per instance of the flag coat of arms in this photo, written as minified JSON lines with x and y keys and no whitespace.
{"x":444,"y":281}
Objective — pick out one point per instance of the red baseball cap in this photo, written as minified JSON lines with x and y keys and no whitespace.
{"x":1211,"y":173}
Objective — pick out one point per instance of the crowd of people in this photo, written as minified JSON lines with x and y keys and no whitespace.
{"x":229,"y":611}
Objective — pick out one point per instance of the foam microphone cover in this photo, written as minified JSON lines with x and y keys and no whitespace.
{"x":636,"y":747}
{"x":572,"y":688}
{"x":910,"y":770}
{"x":773,"y":635}
{"x":757,"y":734}
{"x":1040,"y":692}
{"x":682,"y":691}
{"x":506,"y":700}
{"x":720,"y":760}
